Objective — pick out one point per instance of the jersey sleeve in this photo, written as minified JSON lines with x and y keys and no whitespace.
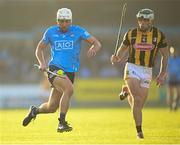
{"x":162,"y":43}
{"x":126,"y":40}
{"x":45,"y":37}
{"x":84,"y":33}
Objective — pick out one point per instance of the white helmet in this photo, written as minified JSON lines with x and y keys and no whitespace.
{"x":64,"y":13}
{"x":145,"y":13}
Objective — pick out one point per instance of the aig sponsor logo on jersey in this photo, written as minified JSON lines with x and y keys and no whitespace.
{"x":63,"y":45}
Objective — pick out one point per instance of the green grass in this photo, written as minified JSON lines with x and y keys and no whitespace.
{"x":92,"y":126}
{"x":105,"y":90}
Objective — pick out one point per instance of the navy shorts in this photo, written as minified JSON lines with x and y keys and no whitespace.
{"x":173,"y":80}
{"x":70,"y":75}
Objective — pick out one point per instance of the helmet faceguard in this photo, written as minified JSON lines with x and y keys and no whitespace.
{"x":146,"y":14}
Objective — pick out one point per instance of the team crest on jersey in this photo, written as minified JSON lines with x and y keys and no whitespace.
{"x":144,"y":39}
{"x":72,"y":34}
{"x":154,"y":39}
{"x":63,"y":45}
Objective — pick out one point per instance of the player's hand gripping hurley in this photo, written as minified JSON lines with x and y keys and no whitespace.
{"x":48,"y":71}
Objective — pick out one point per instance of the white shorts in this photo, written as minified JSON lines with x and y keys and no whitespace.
{"x":144,"y":74}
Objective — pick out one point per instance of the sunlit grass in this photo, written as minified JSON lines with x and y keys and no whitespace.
{"x":91,"y":126}
{"x":105,"y":90}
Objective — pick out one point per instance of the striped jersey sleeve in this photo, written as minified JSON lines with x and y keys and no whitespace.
{"x":163,"y":42}
{"x":126,"y":40}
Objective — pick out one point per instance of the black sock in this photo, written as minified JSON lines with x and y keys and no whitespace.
{"x":62,"y":117}
{"x":36,"y":111}
{"x":138,"y":128}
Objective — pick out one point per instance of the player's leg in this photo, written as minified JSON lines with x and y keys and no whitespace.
{"x":176,"y":100}
{"x":138,"y":80}
{"x":139,"y":95}
{"x":170,"y":96}
{"x":130,"y":100}
{"x":52,"y":105}
{"x":134,"y":86}
{"x":67,"y":87}
{"x":48,"y":107}
{"x":124,"y":92}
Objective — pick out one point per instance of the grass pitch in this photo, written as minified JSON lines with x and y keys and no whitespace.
{"x":106,"y":90}
{"x":92,"y":126}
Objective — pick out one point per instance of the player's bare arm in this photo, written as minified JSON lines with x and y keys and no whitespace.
{"x":163,"y":68}
{"x":121,"y":54}
{"x":95,"y":46}
{"x":40,"y":54}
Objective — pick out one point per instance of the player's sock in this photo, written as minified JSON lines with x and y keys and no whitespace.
{"x":36,"y":111}
{"x":62,"y":117}
{"x":139,"y":128}
{"x":139,"y":132}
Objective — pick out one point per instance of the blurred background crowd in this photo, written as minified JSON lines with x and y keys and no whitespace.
{"x":23,"y":23}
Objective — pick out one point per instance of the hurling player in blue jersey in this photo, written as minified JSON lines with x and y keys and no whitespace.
{"x":65,"y":41}
{"x":173,"y":90}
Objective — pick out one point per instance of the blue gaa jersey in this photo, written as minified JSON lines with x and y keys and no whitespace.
{"x":173,"y":68}
{"x":65,"y":47}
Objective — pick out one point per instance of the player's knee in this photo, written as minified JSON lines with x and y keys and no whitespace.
{"x":52,"y":109}
{"x":135,"y":94}
{"x":69,"y":91}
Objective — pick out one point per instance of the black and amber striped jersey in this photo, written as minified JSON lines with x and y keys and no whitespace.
{"x":143,"y":46}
